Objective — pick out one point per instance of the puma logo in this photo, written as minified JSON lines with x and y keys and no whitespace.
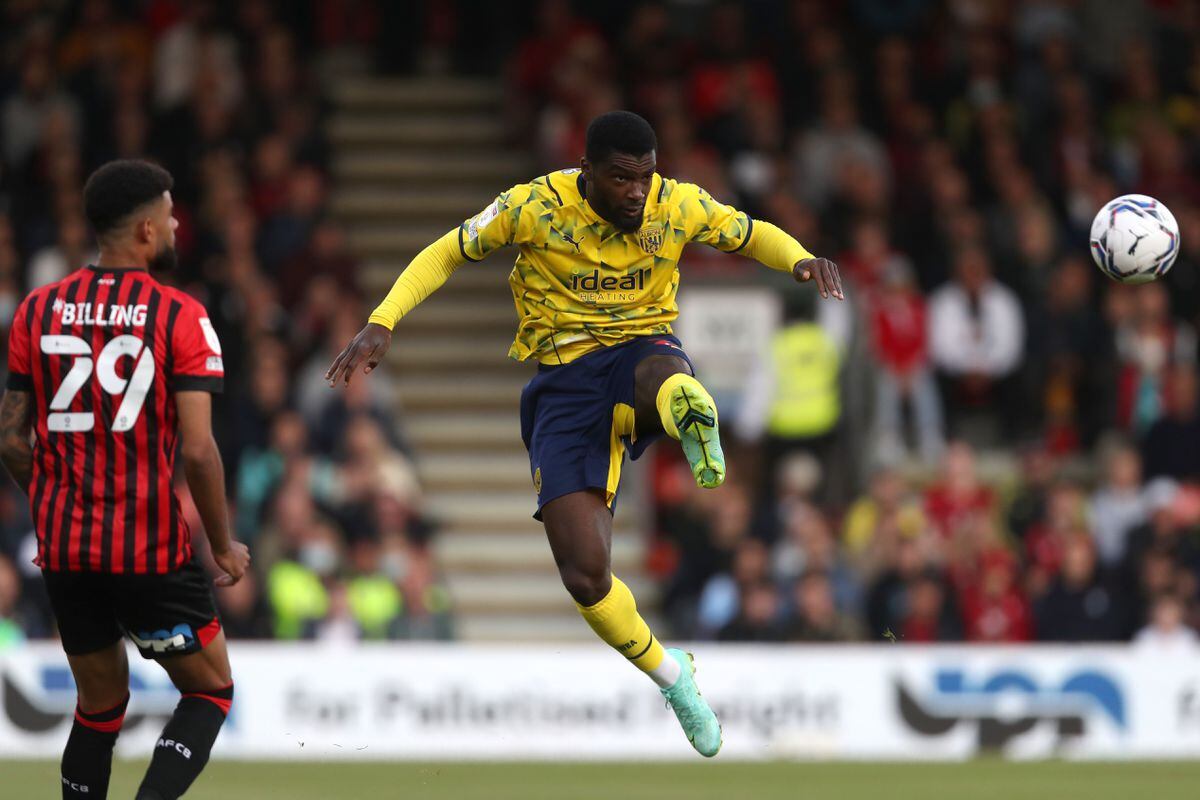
{"x":567,"y":238}
{"x":1133,"y":246}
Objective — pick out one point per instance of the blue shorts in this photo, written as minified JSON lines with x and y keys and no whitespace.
{"x":577,"y":419}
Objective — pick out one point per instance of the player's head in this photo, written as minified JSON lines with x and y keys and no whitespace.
{"x":618,"y":166}
{"x":128,"y":204}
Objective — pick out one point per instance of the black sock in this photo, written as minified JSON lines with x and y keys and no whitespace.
{"x":87,"y":759}
{"x":183,"y":748}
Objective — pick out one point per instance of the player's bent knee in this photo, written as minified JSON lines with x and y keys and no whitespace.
{"x":653,"y":370}
{"x":586,"y":588}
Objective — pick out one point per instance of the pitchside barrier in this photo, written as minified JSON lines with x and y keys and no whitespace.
{"x":311,"y":702}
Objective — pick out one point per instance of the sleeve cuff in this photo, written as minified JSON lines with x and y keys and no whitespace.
{"x":462,"y":246}
{"x":380,"y":318}
{"x":19,"y":382}
{"x":198,"y":383}
{"x":749,"y":233}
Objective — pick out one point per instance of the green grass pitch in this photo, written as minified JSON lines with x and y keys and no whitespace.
{"x":977,"y":780}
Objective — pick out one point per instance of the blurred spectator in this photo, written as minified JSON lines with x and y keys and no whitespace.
{"x":994,"y":606}
{"x":720,"y":600}
{"x":1148,"y":342}
{"x":1118,"y":505}
{"x":706,"y":528}
{"x":976,"y":331}
{"x":1064,"y":516}
{"x":1166,"y":631}
{"x":898,"y":333}
{"x":56,"y":261}
{"x":1082,"y":604}
{"x":837,"y":142}
{"x":929,"y":614}
{"x":1066,"y":356}
{"x":887,"y":598}
{"x":817,"y":618}
{"x":795,"y":394}
{"x":1036,"y":466}
{"x":1171,"y":447}
{"x":875,"y":522}
{"x":959,"y":496}
{"x":807,"y":545}
{"x":759,"y":617}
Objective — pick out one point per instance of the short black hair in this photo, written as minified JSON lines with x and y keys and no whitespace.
{"x":619,"y":132}
{"x":117,"y":189}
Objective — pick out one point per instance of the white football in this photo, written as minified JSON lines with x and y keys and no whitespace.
{"x":1134,"y":239}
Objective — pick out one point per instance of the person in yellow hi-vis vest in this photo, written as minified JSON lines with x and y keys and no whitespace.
{"x":806,"y":404}
{"x":793,"y":401}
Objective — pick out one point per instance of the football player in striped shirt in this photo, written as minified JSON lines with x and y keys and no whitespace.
{"x":109,"y":374}
{"x":594,"y":283}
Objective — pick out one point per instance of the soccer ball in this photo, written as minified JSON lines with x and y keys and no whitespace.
{"x":1134,"y":239}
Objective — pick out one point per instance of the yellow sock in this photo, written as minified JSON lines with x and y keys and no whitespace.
{"x":663,"y":399}
{"x":616,"y":620}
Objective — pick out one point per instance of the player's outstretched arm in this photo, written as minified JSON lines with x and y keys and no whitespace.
{"x":432,"y":267}
{"x":777,"y":249}
{"x":206,"y":479}
{"x":15,"y":426}
{"x":732,"y":231}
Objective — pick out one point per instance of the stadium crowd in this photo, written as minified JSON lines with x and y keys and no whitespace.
{"x":1005,"y":446}
{"x":321,"y":483}
{"x":950,"y":156}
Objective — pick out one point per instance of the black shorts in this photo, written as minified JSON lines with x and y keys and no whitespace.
{"x":164,"y":615}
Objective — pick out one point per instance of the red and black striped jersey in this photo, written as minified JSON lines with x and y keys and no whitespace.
{"x":103,"y":351}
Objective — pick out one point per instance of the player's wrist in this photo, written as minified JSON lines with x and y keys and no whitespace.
{"x":381,"y":321}
{"x":221,"y":548}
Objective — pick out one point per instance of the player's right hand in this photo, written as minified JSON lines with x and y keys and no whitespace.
{"x":233,"y":562}
{"x":369,"y":345}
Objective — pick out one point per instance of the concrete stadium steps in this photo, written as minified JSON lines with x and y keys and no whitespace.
{"x":464,"y":431}
{"x":506,"y":469}
{"x":516,"y":592}
{"x":438,"y":354}
{"x":565,"y":627}
{"x":484,"y":393}
{"x":395,"y":96}
{"x":417,"y":130}
{"x":389,"y":204}
{"x":387,"y":239}
{"x":413,"y":158}
{"x":461,"y":552}
{"x":500,"y":170}
{"x":481,"y":508}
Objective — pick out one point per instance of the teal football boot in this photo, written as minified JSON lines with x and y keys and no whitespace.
{"x":695,"y":717}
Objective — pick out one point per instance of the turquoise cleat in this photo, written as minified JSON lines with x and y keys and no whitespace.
{"x":695,"y":717}
{"x":695,"y":418}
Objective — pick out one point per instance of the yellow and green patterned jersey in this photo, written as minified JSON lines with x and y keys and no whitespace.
{"x":580,"y":283}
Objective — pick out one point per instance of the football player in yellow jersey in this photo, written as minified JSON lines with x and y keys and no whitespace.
{"x":594,"y":285}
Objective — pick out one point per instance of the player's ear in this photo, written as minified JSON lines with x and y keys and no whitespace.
{"x":144,"y":230}
{"x":585,"y":169}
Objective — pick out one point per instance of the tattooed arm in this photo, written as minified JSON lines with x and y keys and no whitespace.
{"x":15,"y":425}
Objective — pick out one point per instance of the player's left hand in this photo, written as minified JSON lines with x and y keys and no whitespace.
{"x":233,"y":562}
{"x":824,"y":272}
